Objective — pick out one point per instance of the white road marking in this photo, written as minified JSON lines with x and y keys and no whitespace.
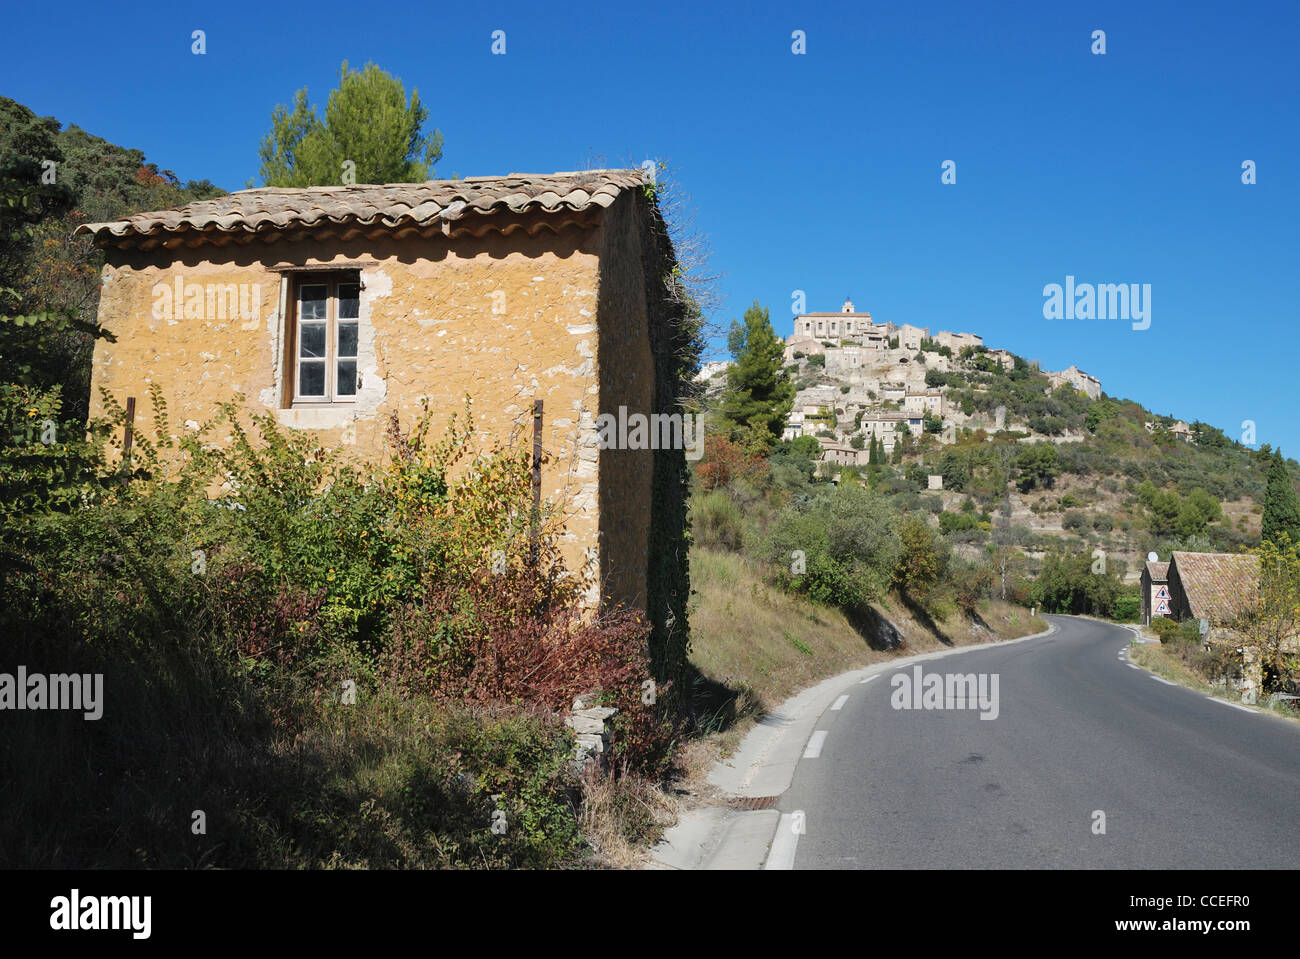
{"x":784,"y":843}
{"x":1160,"y":679}
{"x":867,"y":680}
{"x":1224,"y":702}
{"x":839,"y":704}
{"x":815,"y":745}
{"x":1132,"y":665}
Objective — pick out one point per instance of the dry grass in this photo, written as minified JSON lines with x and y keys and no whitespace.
{"x":623,"y":818}
{"x":1171,"y":661}
{"x":760,"y":641}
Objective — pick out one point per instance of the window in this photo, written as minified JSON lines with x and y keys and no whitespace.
{"x":322,"y":363}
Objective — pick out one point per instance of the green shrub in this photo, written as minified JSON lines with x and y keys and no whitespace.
{"x":1127,"y":608}
{"x":716,"y":521}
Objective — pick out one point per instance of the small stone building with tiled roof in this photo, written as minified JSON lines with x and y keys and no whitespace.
{"x":1155,"y":591}
{"x":332,"y":307}
{"x":1217,"y":587}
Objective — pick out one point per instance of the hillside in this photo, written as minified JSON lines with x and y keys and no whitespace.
{"x":54,"y":178}
{"x":1113,"y":474}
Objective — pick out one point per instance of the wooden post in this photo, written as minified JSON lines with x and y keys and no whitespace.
{"x":128,"y":436}
{"x":537,"y":483}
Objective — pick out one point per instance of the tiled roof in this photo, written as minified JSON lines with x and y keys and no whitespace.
{"x":1218,"y":586}
{"x":1159,"y":572}
{"x":392,"y":205}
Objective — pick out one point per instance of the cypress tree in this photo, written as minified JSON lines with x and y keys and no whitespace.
{"x":1281,"y":507}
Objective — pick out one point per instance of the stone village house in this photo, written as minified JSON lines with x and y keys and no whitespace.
{"x":332,"y":307}
{"x":1216,"y":589}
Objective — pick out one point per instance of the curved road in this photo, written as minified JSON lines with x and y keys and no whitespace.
{"x":1183,"y":781}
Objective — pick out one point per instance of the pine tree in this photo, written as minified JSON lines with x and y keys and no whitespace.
{"x":759,"y":394}
{"x":369,"y":122}
{"x":1281,"y":507}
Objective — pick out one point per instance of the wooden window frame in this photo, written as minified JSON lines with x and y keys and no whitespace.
{"x":331,"y":280}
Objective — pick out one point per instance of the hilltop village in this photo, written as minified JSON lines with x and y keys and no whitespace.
{"x":862,"y":382}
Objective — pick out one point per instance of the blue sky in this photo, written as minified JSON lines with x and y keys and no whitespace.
{"x":818,"y":172}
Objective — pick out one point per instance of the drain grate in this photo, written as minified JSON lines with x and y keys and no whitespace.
{"x":754,"y":802}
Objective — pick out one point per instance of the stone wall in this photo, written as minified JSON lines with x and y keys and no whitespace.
{"x":427,"y":329}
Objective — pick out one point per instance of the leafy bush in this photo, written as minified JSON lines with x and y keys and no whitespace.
{"x":1067,"y":584}
{"x":972,"y":583}
{"x":848,"y":544}
{"x":1127,"y":608}
{"x":923,"y":561}
{"x":226,"y":630}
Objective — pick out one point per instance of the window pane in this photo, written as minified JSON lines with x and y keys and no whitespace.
{"x":311,"y":302}
{"x":347,"y":339}
{"x":311,"y":340}
{"x":347,"y":378}
{"x":311,"y":378}
{"x":349,"y":300}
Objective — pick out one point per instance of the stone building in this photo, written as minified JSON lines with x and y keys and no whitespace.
{"x":910,"y":337}
{"x":924,"y":401}
{"x":1216,"y":587}
{"x":1074,"y":377}
{"x":893,"y":391}
{"x":803,"y":346}
{"x":794,"y":425}
{"x":958,"y":341}
{"x":333,"y":307}
{"x":883,"y":425}
{"x":846,"y":324}
{"x":1004,"y":358}
{"x":842,"y":454}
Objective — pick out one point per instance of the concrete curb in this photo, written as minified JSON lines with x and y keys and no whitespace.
{"x":715,"y":837}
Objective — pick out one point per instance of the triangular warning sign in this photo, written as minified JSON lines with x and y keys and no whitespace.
{"x":1162,"y":608}
{"x":1162,"y":593}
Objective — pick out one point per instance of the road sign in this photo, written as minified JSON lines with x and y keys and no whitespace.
{"x":1162,"y":593}
{"x":1162,"y":607}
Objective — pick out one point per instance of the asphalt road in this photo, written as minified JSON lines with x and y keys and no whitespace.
{"x":1183,"y":781}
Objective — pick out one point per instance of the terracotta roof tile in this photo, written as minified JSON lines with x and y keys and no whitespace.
{"x":391,"y":204}
{"x":1159,"y":572}
{"x":1218,"y":586}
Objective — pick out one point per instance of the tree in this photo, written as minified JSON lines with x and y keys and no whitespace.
{"x":924,"y":558}
{"x":1281,"y":509}
{"x":51,"y":181}
{"x":1196,"y":511}
{"x":368,"y":122}
{"x":1038,"y":467}
{"x":1273,"y":619}
{"x":759,"y":395}
{"x":849,"y":547}
{"x":1067,"y":584}
{"x":955,"y":470}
